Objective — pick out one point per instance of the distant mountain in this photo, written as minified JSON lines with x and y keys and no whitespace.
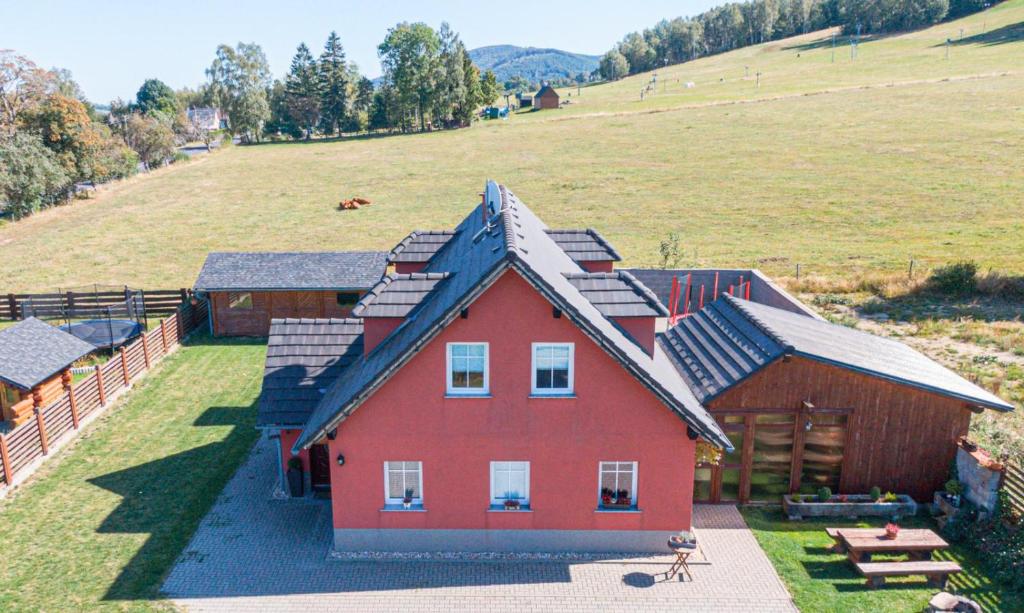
{"x":531,"y":63}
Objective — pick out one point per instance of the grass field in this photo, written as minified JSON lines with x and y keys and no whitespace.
{"x":862,"y":176}
{"x":101,"y":525}
{"x":822,"y":581}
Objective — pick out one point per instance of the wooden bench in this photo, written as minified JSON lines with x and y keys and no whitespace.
{"x":937,"y":572}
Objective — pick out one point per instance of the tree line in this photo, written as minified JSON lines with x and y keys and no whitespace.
{"x":738,"y":24}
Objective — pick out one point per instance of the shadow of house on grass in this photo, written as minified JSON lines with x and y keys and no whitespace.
{"x":167,"y":498}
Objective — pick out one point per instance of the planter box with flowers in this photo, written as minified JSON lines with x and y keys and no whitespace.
{"x":890,"y":505}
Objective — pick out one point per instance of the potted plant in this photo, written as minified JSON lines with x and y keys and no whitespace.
{"x":295,"y":477}
{"x":824,"y":494}
{"x":954,"y":489}
{"x":623,"y":499}
{"x":875,"y":493}
{"x":607,"y":496}
{"x":890,"y":497}
{"x":511,"y":501}
{"x":891,"y":530}
{"x":407,"y":501}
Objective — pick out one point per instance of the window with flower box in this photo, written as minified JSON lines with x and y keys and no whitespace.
{"x":617,"y":482}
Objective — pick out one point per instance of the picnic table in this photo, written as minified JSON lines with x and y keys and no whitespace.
{"x":918,"y":543}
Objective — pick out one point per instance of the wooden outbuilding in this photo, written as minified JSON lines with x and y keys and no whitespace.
{"x":35,"y":359}
{"x":546,"y":98}
{"x":246,"y":290}
{"x":808,"y":403}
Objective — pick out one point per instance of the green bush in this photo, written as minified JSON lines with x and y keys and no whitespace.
{"x":875,"y":493}
{"x":954,"y":487}
{"x":958,"y":279}
{"x":180,"y":157}
{"x":890,"y":497}
{"x":824,"y":494}
{"x":998,"y":544}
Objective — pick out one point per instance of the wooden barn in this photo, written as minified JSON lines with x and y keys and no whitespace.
{"x":246,"y":290}
{"x":807,"y":403}
{"x":35,"y":359}
{"x":546,"y":98}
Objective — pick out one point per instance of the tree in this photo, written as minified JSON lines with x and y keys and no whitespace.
{"x":23,"y":86}
{"x":409,"y":55}
{"x":613,"y":65}
{"x":31,"y":178}
{"x":239,"y":78}
{"x":334,"y":85}
{"x":151,"y":137}
{"x":302,"y":90}
{"x":451,"y":87}
{"x":280,"y":121}
{"x":155,"y":96}
{"x":474,"y":95}
{"x":67,"y":130}
{"x":518,"y":83}
{"x":489,"y":90}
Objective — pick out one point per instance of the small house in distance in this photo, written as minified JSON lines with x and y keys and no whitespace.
{"x":208,"y":118}
{"x":546,"y":98}
{"x":246,"y":290}
{"x":525,"y":100}
{"x":35,"y":359}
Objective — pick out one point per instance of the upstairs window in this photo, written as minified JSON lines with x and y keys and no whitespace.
{"x":552,"y":368}
{"x":510,"y":481}
{"x":240,"y":300}
{"x":467,"y":369}
{"x":618,"y":485}
{"x":403,"y":480}
{"x":347,"y":300}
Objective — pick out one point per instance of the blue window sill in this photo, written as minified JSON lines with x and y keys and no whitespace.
{"x":451,"y":395}
{"x":632,"y":509}
{"x":500,"y":508}
{"x":415,"y":508}
{"x":559,"y":395}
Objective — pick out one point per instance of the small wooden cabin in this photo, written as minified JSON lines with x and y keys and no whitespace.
{"x":246,"y":290}
{"x":35,"y":359}
{"x":546,"y":98}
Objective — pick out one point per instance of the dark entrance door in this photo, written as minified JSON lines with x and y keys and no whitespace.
{"x":320,"y":468}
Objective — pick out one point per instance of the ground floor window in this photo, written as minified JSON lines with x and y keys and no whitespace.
{"x":618,"y":485}
{"x":510,"y":481}
{"x":240,"y":300}
{"x":403,"y":480}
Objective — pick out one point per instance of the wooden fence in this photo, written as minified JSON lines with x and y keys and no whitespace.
{"x":1013,"y":483}
{"x":59,"y":419}
{"x":157,"y":302}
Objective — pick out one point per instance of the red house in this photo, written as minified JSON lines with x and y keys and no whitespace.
{"x":496,"y":392}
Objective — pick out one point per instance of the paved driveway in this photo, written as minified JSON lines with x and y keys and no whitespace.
{"x":253,"y":553}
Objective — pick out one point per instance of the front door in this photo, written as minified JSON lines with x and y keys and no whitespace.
{"x":320,"y":468}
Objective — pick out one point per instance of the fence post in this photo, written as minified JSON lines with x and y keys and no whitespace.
{"x":145,"y":351}
{"x":124,"y":367}
{"x":41,"y":424}
{"x":5,"y":460}
{"x":163,"y":334}
{"x":72,"y":402}
{"x":99,"y":386}
{"x":184,"y":294}
{"x":12,"y":305}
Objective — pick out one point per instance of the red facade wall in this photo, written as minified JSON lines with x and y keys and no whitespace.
{"x":611,"y":418}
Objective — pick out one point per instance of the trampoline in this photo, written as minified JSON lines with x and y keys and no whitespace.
{"x":104,"y":333}
{"x":106,"y":317}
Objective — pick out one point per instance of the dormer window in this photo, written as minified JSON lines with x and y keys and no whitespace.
{"x":552,"y":369}
{"x":467,"y":369}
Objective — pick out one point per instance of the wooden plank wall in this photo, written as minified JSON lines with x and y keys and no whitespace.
{"x":1013,"y":484}
{"x":270,"y":305}
{"x":900,"y":438}
{"x":62,"y":414}
{"x":158,"y":302}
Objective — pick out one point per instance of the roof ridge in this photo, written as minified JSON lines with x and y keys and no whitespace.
{"x":320,"y":321}
{"x":508,"y":223}
{"x":739,"y":305}
{"x":645,"y":292}
{"x":373,"y":293}
{"x":601,"y":241}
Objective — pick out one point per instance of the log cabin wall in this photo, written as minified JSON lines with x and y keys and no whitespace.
{"x":255,"y":321}
{"x":899,"y":438}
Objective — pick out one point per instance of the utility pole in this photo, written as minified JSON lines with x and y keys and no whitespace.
{"x":833,"y":47}
{"x":948,"y":40}
{"x":759,"y":79}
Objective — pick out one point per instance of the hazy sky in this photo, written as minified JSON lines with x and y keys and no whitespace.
{"x":112,"y":46}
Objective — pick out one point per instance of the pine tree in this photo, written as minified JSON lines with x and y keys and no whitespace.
{"x":334,"y":86}
{"x":301,"y":88}
{"x":451,"y":89}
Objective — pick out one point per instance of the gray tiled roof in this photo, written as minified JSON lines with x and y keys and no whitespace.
{"x":420,"y":245}
{"x":397,"y":294}
{"x":304,"y":356}
{"x":617,"y":294}
{"x":733,"y":338}
{"x":32,"y":351}
{"x":515,"y":239}
{"x":291,"y":271}
{"x":585,"y":245}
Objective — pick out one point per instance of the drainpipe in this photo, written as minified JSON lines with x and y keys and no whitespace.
{"x":280,"y":464}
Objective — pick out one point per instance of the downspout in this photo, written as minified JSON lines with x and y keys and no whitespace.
{"x":280,"y":463}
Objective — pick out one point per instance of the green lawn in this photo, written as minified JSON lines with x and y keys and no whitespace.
{"x":855,"y":179}
{"x":101,"y":525}
{"x":823,"y":581}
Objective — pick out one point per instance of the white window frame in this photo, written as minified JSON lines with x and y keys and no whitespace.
{"x":462,"y":391}
{"x":567,"y":391}
{"x":632,"y":489}
{"x":524,"y":497}
{"x":387,"y":484}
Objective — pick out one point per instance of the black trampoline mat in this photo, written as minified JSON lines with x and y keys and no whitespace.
{"x":103,"y":333}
